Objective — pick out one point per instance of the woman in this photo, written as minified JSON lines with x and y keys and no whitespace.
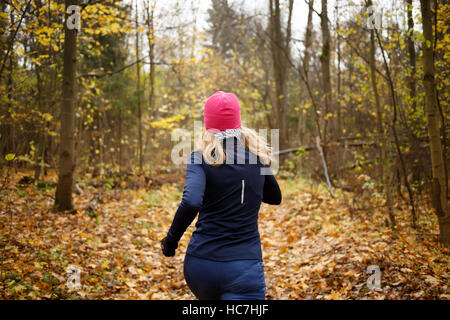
{"x":226,"y":183}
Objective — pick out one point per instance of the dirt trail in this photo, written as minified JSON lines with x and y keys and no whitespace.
{"x":312,"y":249}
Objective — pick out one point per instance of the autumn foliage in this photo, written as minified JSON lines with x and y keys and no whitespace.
{"x":313,"y":246}
{"x":88,"y":123}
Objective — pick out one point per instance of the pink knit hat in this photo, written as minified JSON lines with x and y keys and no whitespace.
{"x":222,"y":112}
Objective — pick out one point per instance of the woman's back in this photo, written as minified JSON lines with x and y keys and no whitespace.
{"x":227,"y":227}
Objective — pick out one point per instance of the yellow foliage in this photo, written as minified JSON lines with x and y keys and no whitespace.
{"x":168,"y":123}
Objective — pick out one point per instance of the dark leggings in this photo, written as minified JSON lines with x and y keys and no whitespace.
{"x":225,"y":280}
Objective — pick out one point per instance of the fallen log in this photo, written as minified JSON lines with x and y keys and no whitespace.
{"x":312,"y":148}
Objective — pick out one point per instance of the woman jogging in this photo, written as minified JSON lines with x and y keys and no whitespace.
{"x":225,"y":183}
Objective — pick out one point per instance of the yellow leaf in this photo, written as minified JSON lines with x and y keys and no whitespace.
{"x":105,"y":264}
{"x":47,"y":117}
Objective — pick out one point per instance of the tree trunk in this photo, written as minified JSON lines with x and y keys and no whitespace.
{"x":10,"y":87}
{"x":305,"y":65}
{"x":138,"y":76}
{"x":280,"y":48}
{"x":308,"y":38}
{"x":338,"y":97}
{"x":63,"y":197}
{"x":40,"y":154}
{"x":325,"y":66}
{"x":151,"y":45}
{"x":10,"y":127}
{"x":439,"y":189}
{"x":119,"y":141}
{"x":411,"y":56}
{"x":382,"y":143}
{"x":3,"y":26}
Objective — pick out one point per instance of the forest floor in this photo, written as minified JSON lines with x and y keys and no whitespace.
{"x":313,"y":247}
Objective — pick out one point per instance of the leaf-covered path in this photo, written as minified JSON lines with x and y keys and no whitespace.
{"x":312,"y":247}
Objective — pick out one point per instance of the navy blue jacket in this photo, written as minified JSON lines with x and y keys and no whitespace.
{"x":228,"y":199}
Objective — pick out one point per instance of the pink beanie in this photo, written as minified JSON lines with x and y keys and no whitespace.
{"x":222,"y":112}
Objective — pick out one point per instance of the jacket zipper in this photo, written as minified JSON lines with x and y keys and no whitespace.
{"x":243,"y":188}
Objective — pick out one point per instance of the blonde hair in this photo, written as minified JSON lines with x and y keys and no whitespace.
{"x":214,"y":154}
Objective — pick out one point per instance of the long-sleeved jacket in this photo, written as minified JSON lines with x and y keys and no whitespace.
{"x":228,"y":199}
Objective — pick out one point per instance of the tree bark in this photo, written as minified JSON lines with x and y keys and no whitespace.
{"x":280,"y":48}
{"x":308,"y":39}
{"x":338,"y":97}
{"x":151,"y":45}
{"x":325,"y":67}
{"x":10,"y":87}
{"x":63,"y":197}
{"x":305,"y":65}
{"x":138,"y":76}
{"x":411,"y":56}
{"x":384,"y":169}
{"x":439,"y":185}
